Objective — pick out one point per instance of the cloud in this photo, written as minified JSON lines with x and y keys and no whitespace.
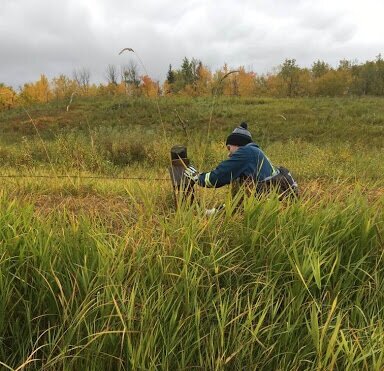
{"x":43,"y":36}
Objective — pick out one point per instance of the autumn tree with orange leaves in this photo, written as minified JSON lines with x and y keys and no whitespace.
{"x":149,"y":87}
{"x":195,"y":79}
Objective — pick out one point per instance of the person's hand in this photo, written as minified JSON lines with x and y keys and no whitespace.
{"x":209,"y":212}
{"x":191,"y":173}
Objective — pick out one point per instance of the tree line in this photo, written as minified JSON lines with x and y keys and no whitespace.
{"x":193,"y":78}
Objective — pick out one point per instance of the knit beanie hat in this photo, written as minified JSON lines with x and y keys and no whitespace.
{"x":240,"y":136}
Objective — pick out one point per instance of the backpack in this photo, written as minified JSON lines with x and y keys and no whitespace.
{"x":283,"y":182}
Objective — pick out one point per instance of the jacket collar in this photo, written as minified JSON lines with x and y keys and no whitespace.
{"x":252,"y":144}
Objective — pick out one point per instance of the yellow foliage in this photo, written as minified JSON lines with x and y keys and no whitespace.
{"x":222,"y":86}
{"x":333,"y":83}
{"x":91,"y":91}
{"x":38,"y":92}
{"x":7,"y":97}
{"x":166,"y":88}
{"x":246,"y":83}
{"x":63,"y":87}
{"x":228,"y":85}
{"x":203,"y":84}
{"x":274,"y":85}
{"x":237,"y":82}
{"x":305,"y":86}
{"x":190,"y":90}
{"x":111,"y":89}
{"x":115,"y":89}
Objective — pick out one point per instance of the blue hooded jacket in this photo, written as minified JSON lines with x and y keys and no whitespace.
{"x":248,"y":161}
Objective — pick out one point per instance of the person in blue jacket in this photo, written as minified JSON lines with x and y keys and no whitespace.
{"x":246,"y":163}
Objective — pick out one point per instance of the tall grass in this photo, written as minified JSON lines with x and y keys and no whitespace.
{"x":314,"y":137}
{"x":296,"y":286}
{"x":100,"y":274}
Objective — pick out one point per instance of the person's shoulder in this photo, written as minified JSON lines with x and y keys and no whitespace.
{"x":246,"y":152}
{"x":250,"y":148}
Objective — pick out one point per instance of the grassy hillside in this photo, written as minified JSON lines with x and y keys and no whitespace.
{"x":107,"y":274}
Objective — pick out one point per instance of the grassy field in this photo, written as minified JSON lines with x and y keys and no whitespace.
{"x":101,"y":274}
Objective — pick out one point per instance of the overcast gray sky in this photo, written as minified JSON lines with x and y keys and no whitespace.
{"x":55,"y":37}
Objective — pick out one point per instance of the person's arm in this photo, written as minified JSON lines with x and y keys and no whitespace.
{"x":225,"y":172}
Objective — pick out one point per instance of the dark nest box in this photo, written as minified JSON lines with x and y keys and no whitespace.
{"x":182,"y":187}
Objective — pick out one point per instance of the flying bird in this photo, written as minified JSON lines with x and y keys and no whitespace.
{"x":129,"y":49}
